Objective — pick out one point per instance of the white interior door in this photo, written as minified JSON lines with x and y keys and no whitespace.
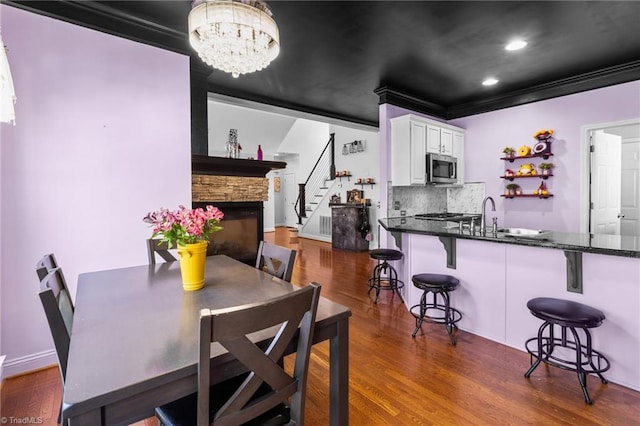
{"x":630,"y":221}
{"x":606,"y":167}
{"x":290,"y":197}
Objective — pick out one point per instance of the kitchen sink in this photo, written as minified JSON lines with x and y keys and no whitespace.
{"x":522,"y":232}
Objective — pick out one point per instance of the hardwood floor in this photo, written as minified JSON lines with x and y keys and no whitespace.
{"x":395,"y":379}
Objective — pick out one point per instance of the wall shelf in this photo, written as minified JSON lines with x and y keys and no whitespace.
{"x":344,"y":176}
{"x":527,"y":193}
{"x":527,"y":196}
{"x":518,"y":157}
{"x":539,"y":175}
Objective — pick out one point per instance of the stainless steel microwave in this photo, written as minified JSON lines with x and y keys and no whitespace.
{"x":441,"y":169}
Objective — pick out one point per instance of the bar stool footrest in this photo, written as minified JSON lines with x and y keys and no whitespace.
{"x":456,"y":315}
{"x":588,"y":363}
{"x":385,"y":284}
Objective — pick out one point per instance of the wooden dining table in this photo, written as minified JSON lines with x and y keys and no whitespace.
{"x":134,"y":341}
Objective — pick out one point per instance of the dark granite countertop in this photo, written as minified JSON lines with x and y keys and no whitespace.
{"x":615,"y":245}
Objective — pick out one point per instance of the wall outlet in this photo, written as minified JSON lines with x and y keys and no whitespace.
{"x":403,"y":212}
{"x":396,"y":205}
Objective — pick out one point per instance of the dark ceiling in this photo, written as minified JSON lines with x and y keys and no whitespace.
{"x":427,"y":55}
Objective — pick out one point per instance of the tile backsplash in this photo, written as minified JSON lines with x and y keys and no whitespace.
{"x":435,"y":198}
{"x":466,"y":199}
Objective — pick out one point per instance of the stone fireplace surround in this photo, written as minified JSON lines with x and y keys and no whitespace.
{"x":238,"y":187}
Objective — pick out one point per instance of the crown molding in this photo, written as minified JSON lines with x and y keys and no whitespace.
{"x":104,"y":18}
{"x":391,"y":96}
{"x":581,"y":83}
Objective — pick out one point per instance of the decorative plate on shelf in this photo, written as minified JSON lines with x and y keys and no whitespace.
{"x":542,"y":147}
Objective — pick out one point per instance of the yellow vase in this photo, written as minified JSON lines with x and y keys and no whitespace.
{"x":192,"y":262}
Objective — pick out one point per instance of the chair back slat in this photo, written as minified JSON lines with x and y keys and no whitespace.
{"x":158,"y":247}
{"x":276,"y":260}
{"x":46,"y":264}
{"x":59,"y":312}
{"x":293,"y":315}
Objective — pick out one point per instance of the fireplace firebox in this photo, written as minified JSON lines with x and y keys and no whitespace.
{"x":243,"y":229}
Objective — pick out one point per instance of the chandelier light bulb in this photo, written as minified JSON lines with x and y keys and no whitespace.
{"x":235,"y":36}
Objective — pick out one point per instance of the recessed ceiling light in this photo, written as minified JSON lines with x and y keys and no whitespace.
{"x":516,"y":45}
{"x":489,"y":81}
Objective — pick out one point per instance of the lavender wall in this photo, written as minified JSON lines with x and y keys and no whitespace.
{"x":487,"y":134}
{"x":102,"y":137}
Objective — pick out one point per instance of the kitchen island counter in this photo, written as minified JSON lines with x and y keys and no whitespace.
{"x":499,"y":274}
{"x":614,"y":245}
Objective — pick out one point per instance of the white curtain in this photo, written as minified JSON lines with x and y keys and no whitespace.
{"x":7,"y":95}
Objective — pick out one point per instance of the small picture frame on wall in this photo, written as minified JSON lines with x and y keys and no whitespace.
{"x":354,"y":196}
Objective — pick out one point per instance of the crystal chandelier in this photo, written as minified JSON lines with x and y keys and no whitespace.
{"x":235,"y":36}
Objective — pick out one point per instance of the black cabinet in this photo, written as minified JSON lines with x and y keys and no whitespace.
{"x":346,"y":223}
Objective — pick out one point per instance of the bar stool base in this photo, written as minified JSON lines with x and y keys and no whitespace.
{"x":587,"y":360}
{"x":427,"y":311}
{"x":384,"y":277}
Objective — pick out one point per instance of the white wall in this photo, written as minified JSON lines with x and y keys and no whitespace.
{"x":307,"y":138}
{"x":255,"y":127}
{"x":361,"y":165}
{"x":102,"y":137}
{"x":297,"y":138}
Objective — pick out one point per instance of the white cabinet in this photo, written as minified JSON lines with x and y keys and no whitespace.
{"x":408,"y":151}
{"x":446,"y":142}
{"x":439,"y":140}
{"x":412,"y":137}
{"x":458,"y":152}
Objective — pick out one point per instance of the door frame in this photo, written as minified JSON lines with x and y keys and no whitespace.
{"x":585,"y":166}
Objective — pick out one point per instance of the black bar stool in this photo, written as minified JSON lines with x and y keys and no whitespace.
{"x":569,"y":316}
{"x":437,"y":285}
{"x":384,"y":275}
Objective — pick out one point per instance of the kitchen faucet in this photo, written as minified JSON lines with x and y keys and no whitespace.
{"x":483,"y":224}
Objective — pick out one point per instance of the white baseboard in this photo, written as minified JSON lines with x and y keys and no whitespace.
{"x":2,"y":357}
{"x":31,"y":362}
{"x":270,"y":229}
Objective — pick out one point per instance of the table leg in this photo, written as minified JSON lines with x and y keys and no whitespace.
{"x":339,"y":375}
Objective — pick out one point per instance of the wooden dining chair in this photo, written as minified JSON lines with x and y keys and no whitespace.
{"x":268,"y":394}
{"x":46,"y":264}
{"x":59,"y":310}
{"x":159,"y":247}
{"x":276,"y":260}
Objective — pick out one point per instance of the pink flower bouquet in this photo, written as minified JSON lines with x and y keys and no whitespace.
{"x":184,"y":226}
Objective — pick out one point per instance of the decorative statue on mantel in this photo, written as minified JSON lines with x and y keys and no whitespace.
{"x":232,"y":147}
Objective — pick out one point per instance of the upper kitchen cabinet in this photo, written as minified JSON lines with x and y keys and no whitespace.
{"x":412,"y":137}
{"x":458,"y":152}
{"x":439,"y":140}
{"x":408,"y":151}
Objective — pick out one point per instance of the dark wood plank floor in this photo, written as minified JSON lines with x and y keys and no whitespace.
{"x":398,"y":380}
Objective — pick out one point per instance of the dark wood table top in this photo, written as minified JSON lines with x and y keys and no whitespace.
{"x":135,"y":329}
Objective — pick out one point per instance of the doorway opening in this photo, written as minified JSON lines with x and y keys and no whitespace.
{"x":610,"y":178}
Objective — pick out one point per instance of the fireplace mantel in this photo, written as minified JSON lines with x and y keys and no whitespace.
{"x":222,"y":166}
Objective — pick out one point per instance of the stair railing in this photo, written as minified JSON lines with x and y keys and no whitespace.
{"x":323,"y":170}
